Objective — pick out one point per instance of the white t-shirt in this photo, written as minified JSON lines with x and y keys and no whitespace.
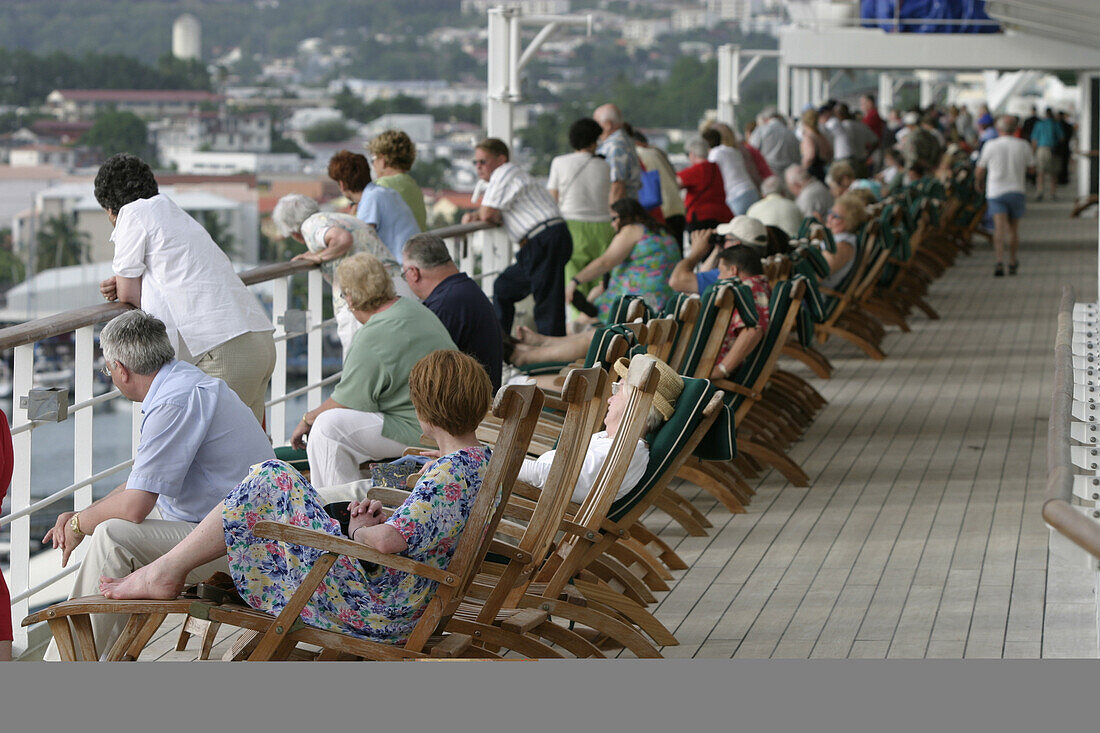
{"x":735,"y":176}
{"x":535,"y":471}
{"x":583,"y":182}
{"x":186,"y":280}
{"x":1006,"y":160}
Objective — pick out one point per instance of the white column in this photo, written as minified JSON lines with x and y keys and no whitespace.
{"x":498,"y":112}
{"x":19,"y":578}
{"x":817,"y":87}
{"x":82,"y":419}
{"x":315,"y":295}
{"x":885,"y":92}
{"x":783,"y":103}
{"x":729,"y":83}
{"x":276,"y":425}
{"x":927,"y":88}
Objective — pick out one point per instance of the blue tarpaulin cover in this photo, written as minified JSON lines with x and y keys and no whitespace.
{"x":880,"y":14}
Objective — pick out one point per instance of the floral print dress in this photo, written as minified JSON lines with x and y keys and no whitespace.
{"x":382,"y":605}
{"x":645,"y":273}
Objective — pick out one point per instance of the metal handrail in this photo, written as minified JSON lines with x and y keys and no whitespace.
{"x":1058,"y":510}
{"x":42,"y":328}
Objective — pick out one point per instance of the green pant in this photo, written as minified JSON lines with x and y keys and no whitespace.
{"x":590,"y":240}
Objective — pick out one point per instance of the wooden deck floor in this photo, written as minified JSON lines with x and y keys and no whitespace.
{"x":920,"y":535}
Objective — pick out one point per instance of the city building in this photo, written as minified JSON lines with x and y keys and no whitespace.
{"x":85,"y":104}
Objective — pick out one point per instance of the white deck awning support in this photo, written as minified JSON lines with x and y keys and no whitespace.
{"x":507,"y":57}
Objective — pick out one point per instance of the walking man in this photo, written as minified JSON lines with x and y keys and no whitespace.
{"x":1004,"y":164}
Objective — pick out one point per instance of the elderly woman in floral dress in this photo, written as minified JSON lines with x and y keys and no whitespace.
{"x":451,"y":392}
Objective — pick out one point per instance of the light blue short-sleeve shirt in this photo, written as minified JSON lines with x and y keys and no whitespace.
{"x":198,"y":441}
{"x":389,"y":214}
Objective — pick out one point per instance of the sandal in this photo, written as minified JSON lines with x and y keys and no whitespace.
{"x":999,"y":271}
{"x":1012,"y":268}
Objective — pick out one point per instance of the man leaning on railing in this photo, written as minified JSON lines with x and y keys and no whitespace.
{"x":198,"y":440}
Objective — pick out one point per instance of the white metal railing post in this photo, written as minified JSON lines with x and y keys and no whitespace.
{"x":498,"y":110}
{"x":83,"y":432}
{"x":783,"y":89}
{"x":315,"y":339}
{"x":276,"y":426}
{"x":20,"y":554}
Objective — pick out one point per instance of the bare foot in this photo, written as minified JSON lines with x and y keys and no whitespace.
{"x":530,"y":338}
{"x":522,"y":354}
{"x":147,"y":582}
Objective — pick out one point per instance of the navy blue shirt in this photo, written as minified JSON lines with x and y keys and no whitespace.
{"x":471,"y":321}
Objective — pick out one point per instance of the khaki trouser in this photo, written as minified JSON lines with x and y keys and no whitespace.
{"x":245,"y":363}
{"x":117,"y":548}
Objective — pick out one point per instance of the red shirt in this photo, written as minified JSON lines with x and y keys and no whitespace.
{"x":758,"y":160}
{"x":872,"y":120}
{"x":706,"y":194}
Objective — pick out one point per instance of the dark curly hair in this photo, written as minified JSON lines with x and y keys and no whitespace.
{"x":630,"y":211}
{"x":124,"y":178}
{"x":584,"y":132}
{"x":350,"y":169}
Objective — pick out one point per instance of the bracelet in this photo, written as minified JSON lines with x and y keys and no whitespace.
{"x":307,"y":422}
{"x":575,"y":281}
{"x":722,"y":368}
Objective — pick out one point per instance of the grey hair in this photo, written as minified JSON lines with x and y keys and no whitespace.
{"x":292,"y":211}
{"x":654,"y":419}
{"x":698,"y":147}
{"x":770,"y":185}
{"x":427,"y":251}
{"x":768,"y":112}
{"x":137,"y":340}
{"x":1006,"y":124}
{"x":608,"y":113}
{"x":795,"y":173}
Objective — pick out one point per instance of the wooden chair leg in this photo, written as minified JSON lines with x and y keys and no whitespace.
{"x":242,"y":646}
{"x":63,"y":635}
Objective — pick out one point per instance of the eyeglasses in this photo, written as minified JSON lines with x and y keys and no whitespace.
{"x":478,"y":162}
{"x":833,"y":214}
{"x":405,"y":270}
{"x":615,"y":387}
{"x":106,"y":369}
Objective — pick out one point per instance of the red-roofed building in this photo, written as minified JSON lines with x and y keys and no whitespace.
{"x":84,"y":104}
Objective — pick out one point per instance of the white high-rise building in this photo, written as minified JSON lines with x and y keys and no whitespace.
{"x":187,"y":38}
{"x":740,"y":10}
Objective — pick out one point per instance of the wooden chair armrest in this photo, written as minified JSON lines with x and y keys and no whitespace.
{"x":578,"y":530}
{"x":737,"y":389}
{"x":388,"y":496}
{"x":510,"y":551}
{"x":343,"y":546}
{"x":511,"y":529}
{"x":830,"y":292}
{"x":553,"y":402}
{"x":526,"y":490}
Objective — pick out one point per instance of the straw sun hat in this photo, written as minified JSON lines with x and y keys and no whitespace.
{"x":668,"y":388}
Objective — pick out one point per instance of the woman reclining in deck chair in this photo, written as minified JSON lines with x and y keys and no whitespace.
{"x":535,"y":470}
{"x":451,"y":393}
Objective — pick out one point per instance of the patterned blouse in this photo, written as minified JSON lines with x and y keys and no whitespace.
{"x":645,"y":273}
{"x":382,"y":605}
{"x":761,"y":296}
{"x":363,"y":239}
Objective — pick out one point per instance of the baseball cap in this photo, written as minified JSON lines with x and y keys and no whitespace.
{"x":911,"y":118}
{"x":747,"y":229}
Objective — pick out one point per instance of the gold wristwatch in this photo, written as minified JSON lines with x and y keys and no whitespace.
{"x":74,"y":525}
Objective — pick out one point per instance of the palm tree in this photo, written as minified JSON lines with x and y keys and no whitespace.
{"x":60,"y":244}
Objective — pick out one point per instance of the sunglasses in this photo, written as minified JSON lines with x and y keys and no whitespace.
{"x":479,"y":163}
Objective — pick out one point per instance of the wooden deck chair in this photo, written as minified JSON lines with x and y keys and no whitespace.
{"x":684,"y":309}
{"x":518,"y":406}
{"x":843,"y":318}
{"x":696,"y":411}
{"x":715,"y":313}
{"x":499,"y":593}
{"x":807,"y":260}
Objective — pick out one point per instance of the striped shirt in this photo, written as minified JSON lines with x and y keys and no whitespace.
{"x":523,"y":203}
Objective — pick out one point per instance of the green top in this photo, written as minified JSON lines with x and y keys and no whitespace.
{"x":409,"y":189}
{"x":378,"y":362}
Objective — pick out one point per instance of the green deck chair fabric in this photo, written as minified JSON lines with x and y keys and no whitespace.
{"x":804,"y":232}
{"x":672,"y":307}
{"x":622,"y":305}
{"x":666,"y":441}
{"x":743,"y":301}
{"x":749,"y":369}
{"x":296,"y":458}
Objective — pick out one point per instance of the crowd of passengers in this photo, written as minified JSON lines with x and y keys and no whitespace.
{"x":424,"y":348}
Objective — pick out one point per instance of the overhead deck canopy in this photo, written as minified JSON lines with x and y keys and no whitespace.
{"x":1076,"y":21}
{"x":836,"y":48}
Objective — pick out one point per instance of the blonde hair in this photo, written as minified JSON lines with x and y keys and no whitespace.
{"x":809,"y":119}
{"x":852,"y":210}
{"x":726,"y":133}
{"x":395,"y":147}
{"x":365,"y":282}
{"x":450,"y":390}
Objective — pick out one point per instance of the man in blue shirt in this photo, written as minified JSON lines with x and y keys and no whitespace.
{"x":742,"y":230}
{"x":456,"y":300}
{"x":198,"y":441}
{"x":1045,"y":135}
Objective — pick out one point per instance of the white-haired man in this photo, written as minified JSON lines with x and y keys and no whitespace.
{"x":198,"y":441}
{"x":810,"y":195}
{"x":1004,"y":164}
{"x":775,"y":209}
{"x":775,"y":141}
{"x":618,"y":150}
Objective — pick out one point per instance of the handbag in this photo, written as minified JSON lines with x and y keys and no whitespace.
{"x":649,"y":195}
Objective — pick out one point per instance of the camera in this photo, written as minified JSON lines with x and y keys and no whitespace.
{"x":717,"y":240}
